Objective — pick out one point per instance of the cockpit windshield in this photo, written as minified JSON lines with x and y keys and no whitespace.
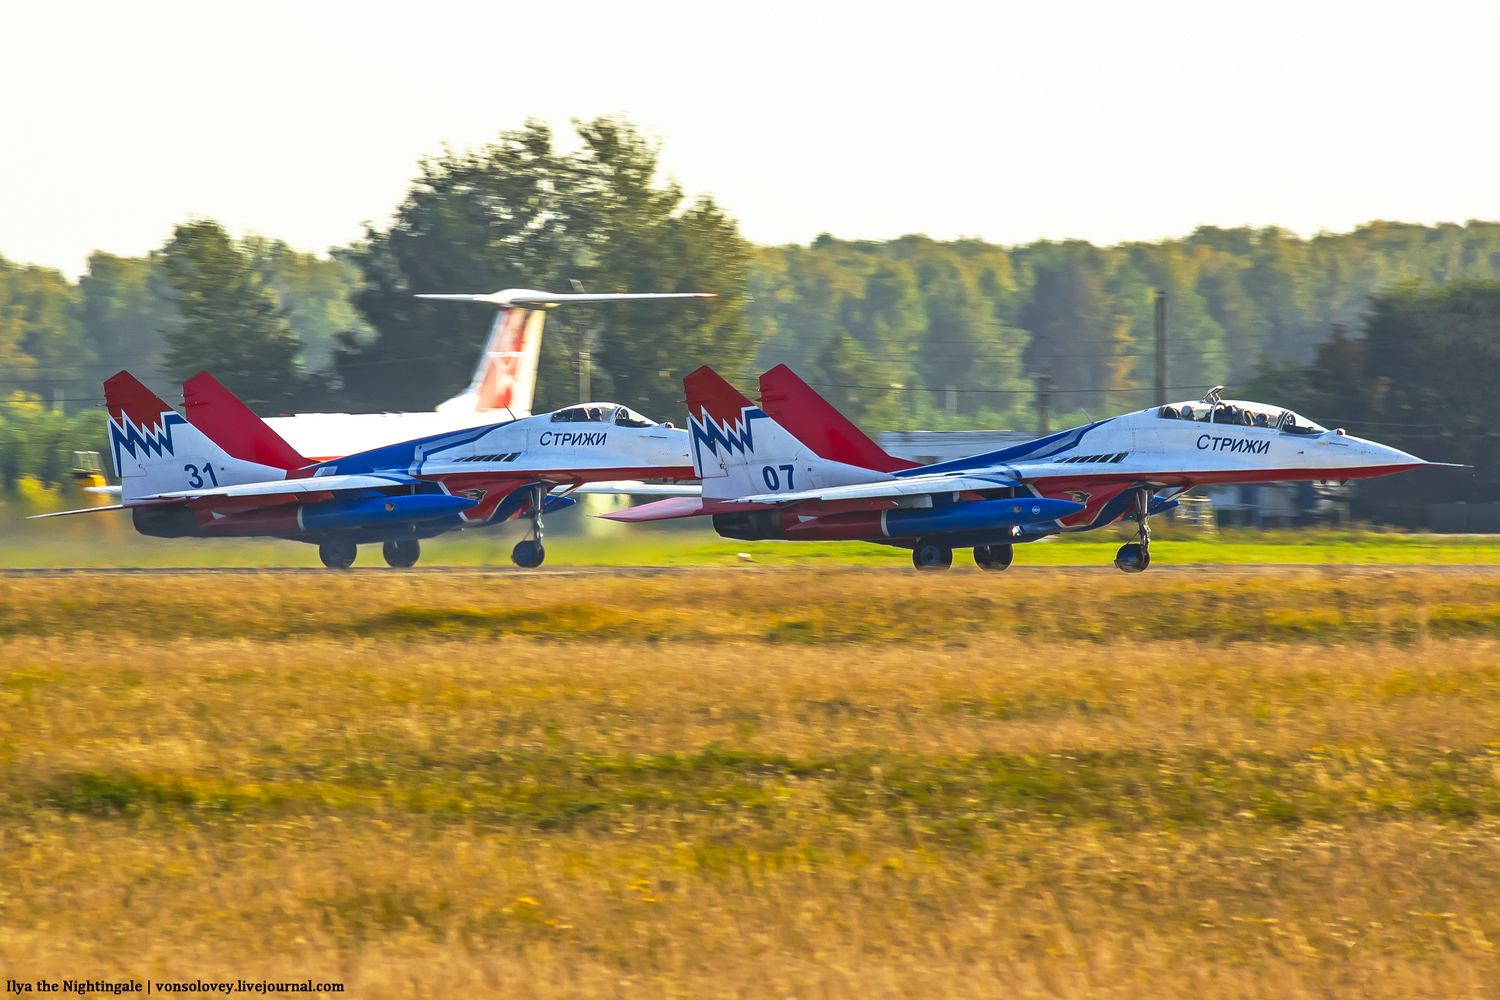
{"x":1242,"y":413}
{"x":626,"y":417}
{"x":1294,"y":424}
{"x":593,"y":413}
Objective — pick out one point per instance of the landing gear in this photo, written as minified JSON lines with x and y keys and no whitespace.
{"x":1135,"y":557}
{"x":931,"y":555}
{"x":994,"y":557}
{"x":529,"y":553}
{"x":402,"y":554}
{"x":337,"y":552}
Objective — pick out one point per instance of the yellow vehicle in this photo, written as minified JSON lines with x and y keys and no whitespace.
{"x":88,"y":477}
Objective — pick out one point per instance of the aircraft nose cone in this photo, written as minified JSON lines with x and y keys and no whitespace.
{"x":1381,"y":455}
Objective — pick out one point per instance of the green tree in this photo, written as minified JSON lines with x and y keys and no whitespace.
{"x":1421,"y":378}
{"x":230,"y":323}
{"x":471,"y":222}
{"x":316,"y":295}
{"x":517,"y":214}
{"x":37,"y":441}
{"x":42,"y":346}
{"x":967,"y":348}
{"x":125,"y":307}
{"x":847,"y":377}
{"x":639,"y":238}
{"x":1070,"y":317}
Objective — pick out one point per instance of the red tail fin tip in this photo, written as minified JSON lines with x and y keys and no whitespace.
{"x":815,"y":422}
{"x":707,"y":391}
{"x":230,"y":424}
{"x":124,"y":394}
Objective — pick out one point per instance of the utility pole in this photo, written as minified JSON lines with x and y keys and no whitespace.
{"x":952,"y":402}
{"x":907,"y":408}
{"x":1161,"y":348}
{"x":583,"y":364}
{"x":1043,"y":398}
{"x":583,"y":350}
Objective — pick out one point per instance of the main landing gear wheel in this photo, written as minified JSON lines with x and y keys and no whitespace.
{"x":402,"y":554}
{"x":994,"y":557}
{"x":1135,"y":557}
{"x":528,"y":553}
{"x":931,"y":555}
{"x":337,"y":552}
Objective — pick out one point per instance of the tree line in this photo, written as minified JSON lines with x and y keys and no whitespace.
{"x":911,"y":332}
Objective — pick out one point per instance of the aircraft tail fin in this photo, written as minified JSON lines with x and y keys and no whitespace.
{"x":739,"y":451}
{"x":156,"y":450}
{"x":220,"y":415}
{"x":815,"y":422}
{"x":505,"y":377}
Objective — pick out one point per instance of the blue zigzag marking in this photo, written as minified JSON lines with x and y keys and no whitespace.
{"x":740,"y":437}
{"x":149,"y":440}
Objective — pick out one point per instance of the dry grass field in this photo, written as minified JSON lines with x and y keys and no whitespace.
{"x":757,"y":782}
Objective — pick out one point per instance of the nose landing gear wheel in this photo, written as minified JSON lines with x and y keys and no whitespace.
{"x":402,"y":554}
{"x":994,"y":557}
{"x":1133,"y":557}
{"x":931,"y":556}
{"x":528,"y":554}
{"x":337,"y":552}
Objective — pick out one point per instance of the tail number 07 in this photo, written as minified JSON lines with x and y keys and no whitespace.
{"x":773,"y":481}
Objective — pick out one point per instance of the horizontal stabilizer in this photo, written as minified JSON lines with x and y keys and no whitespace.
{"x":82,"y":510}
{"x":635,"y":488}
{"x":526,"y":298}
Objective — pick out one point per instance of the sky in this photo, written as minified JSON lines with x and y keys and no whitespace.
{"x":1009,"y":122}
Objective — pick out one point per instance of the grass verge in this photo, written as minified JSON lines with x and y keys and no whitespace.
{"x":540,"y":802}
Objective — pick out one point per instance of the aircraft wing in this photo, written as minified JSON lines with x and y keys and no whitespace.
{"x":956,"y":482}
{"x":632,"y":487}
{"x":82,"y":510}
{"x":526,"y":298}
{"x":315,"y":484}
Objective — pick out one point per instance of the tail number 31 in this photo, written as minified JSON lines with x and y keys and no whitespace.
{"x":773,"y":481}
{"x":195,"y":475}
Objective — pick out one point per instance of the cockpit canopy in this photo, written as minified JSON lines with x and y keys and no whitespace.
{"x":1243,"y":413}
{"x":602,"y":413}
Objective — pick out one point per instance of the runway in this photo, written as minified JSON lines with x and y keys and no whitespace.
{"x":1157,"y":571}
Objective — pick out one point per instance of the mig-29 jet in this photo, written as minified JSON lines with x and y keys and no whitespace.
{"x":221,"y":472}
{"x":795,"y":468}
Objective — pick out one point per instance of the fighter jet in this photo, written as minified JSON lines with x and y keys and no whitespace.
{"x":221,"y":472}
{"x":797,"y":469}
